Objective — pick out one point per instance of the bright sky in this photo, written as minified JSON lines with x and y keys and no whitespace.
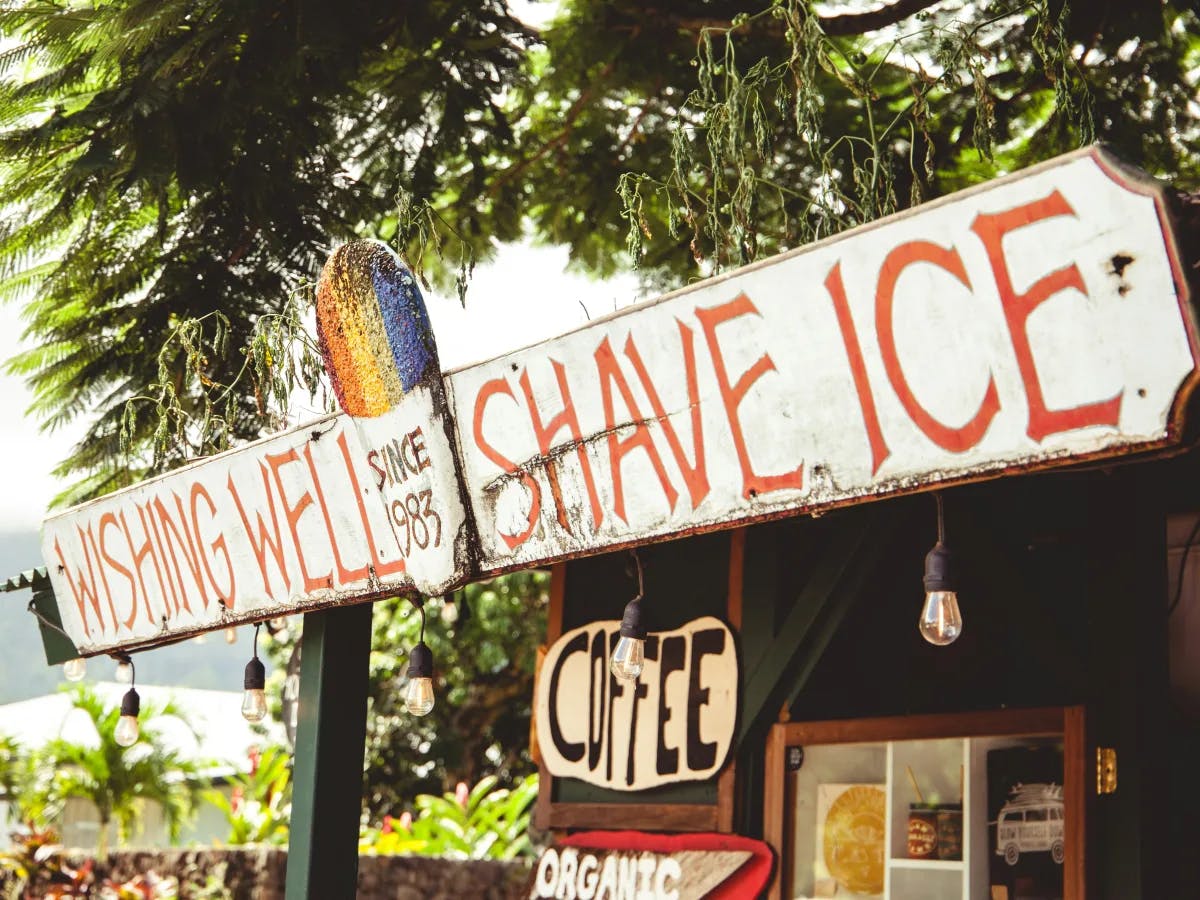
{"x":523,"y":297}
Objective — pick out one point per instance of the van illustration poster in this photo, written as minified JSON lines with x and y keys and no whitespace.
{"x":1025,"y":822}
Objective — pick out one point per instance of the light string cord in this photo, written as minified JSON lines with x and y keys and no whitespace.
{"x":637,"y":562}
{"x":941,"y":520}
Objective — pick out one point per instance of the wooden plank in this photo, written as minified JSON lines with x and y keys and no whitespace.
{"x":1034,"y":721}
{"x":1030,"y":323}
{"x":834,"y":581}
{"x":773,"y":805}
{"x":1035,"y":320}
{"x":727,"y":781}
{"x":330,"y":743}
{"x":634,"y":816}
{"x":1079,"y":790}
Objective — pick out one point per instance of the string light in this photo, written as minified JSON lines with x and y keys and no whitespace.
{"x":629,"y":655}
{"x":418,"y":695}
{"x":124,"y":669}
{"x":941,"y":621}
{"x":254,"y":701}
{"x":126,"y":732}
{"x":75,"y":669}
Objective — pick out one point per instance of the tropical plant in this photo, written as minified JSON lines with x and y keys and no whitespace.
{"x":117,"y":780}
{"x":38,"y":864}
{"x":259,"y":808}
{"x":484,"y":822}
{"x":14,"y":774}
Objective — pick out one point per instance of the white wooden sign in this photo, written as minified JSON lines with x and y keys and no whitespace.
{"x":676,"y":723}
{"x":349,"y":507}
{"x":1036,"y":320}
{"x":1033,"y":322}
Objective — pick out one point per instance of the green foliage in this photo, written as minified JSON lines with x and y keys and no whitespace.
{"x":484,"y":823}
{"x":117,"y":780}
{"x":260,"y":808}
{"x":483,"y":676}
{"x":173,"y":172}
{"x":162,"y":160}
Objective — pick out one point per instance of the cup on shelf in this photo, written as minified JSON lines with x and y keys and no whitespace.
{"x":949,"y":831}
{"x":922,"y":831}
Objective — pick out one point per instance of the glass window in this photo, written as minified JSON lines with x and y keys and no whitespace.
{"x":1035,"y":815}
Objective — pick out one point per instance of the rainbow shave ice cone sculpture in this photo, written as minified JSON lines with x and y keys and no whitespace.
{"x":380,"y":353}
{"x":373,"y":329}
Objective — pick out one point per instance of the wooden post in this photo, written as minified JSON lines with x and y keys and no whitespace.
{"x":330,"y":743}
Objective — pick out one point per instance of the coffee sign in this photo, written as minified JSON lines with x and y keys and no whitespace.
{"x":675,"y":723}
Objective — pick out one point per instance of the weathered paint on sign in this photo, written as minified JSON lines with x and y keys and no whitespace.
{"x":1030,"y":323}
{"x":1038,"y":319}
{"x":630,"y":865}
{"x":676,"y":723}
{"x":348,"y":507}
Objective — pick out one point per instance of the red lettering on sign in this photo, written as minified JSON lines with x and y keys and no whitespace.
{"x":381,"y":568}
{"x":107,"y":520}
{"x":172,"y":539}
{"x":226,"y":594}
{"x":545,"y":434}
{"x":991,"y":229}
{"x":265,"y":541}
{"x":147,"y":514}
{"x":490,"y":389}
{"x":610,"y":374}
{"x":138,"y":555}
{"x":694,"y":476}
{"x":732,"y":396}
{"x":956,"y":440}
{"x":345,"y":576}
{"x":83,"y":591}
{"x":858,"y":368}
{"x":293,"y":513}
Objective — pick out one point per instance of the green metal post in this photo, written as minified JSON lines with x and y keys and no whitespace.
{"x":330,"y":744}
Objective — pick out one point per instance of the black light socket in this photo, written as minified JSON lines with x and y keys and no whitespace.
{"x":420,"y":662}
{"x":631,"y":620}
{"x":940,"y":572}
{"x":131,"y":703}
{"x":256,"y":675}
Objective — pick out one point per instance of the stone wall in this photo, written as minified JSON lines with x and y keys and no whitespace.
{"x":258,"y":874}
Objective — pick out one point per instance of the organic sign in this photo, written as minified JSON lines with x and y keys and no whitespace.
{"x":1032,"y":322}
{"x":633,"y":866}
{"x":676,"y":723}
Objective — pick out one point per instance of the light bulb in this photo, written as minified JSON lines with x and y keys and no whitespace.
{"x":254,"y":701}
{"x":629,"y":654}
{"x":75,"y":669}
{"x":231,"y":635}
{"x":418,"y":696}
{"x":126,"y":732}
{"x":941,"y":622}
{"x":627,"y":659}
{"x":449,"y":612}
{"x":254,"y":705}
{"x":125,"y":672}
